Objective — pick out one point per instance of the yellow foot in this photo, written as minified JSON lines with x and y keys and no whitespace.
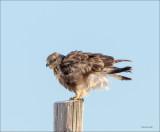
{"x":77,"y":98}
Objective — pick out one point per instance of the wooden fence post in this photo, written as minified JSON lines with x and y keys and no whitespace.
{"x":68,"y":116}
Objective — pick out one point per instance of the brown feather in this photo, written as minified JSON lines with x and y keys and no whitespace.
{"x":79,"y":71}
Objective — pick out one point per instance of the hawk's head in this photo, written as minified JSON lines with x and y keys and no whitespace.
{"x":54,"y":60}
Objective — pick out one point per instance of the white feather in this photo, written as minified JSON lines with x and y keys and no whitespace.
{"x":98,"y":80}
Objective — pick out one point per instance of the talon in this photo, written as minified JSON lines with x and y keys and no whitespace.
{"x":76,"y":98}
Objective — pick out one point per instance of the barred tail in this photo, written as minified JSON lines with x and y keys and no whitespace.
{"x":116,"y":61}
{"x":118,"y":70}
{"x":119,"y":77}
{"x":112,"y":70}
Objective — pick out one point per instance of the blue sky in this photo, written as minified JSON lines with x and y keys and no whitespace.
{"x":30,"y":31}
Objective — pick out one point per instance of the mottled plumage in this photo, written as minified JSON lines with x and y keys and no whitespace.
{"x":79,"y":71}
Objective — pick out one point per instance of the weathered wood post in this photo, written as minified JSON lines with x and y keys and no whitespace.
{"x":68,"y":116}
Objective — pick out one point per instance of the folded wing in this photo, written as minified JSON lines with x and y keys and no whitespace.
{"x":86,"y":63}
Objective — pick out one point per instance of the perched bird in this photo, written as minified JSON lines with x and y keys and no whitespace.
{"x":79,"y":71}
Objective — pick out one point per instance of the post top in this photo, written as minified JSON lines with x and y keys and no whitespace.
{"x":67,"y":101}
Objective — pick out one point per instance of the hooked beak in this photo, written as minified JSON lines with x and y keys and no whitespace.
{"x":47,"y":65}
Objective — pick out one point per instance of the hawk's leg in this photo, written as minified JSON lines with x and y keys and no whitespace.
{"x":77,"y":97}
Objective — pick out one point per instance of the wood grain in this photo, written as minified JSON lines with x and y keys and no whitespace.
{"x":68,"y":116}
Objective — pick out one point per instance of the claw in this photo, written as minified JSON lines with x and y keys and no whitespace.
{"x":76,"y":98}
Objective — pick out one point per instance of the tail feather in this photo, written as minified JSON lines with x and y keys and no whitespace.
{"x":116,"y":61}
{"x":118,"y":70}
{"x":119,"y":77}
{"x":111,"y":70}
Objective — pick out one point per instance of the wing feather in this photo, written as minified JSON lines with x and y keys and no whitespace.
{"x":78,"y":61}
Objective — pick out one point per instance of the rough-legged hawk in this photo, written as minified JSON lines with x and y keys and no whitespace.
{"x":79,"y":71}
